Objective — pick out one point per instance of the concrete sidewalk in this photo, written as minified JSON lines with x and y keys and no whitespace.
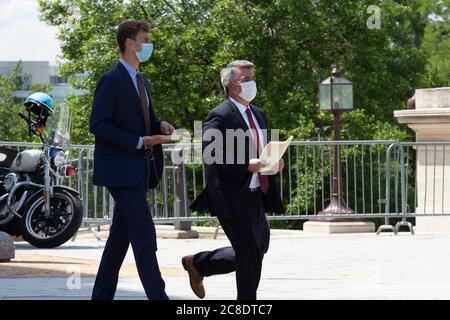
{"x":298,"y":266}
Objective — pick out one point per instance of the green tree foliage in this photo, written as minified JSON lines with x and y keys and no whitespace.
{"x":436,"y":42}
{"x":12,"y":127}
{"x":292,"y":42}
{"x":9,"y":131}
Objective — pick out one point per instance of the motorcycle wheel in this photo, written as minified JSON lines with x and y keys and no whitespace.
{"x":59,"y":227}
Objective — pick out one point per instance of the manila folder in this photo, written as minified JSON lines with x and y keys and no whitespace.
{"x":273,"y":152}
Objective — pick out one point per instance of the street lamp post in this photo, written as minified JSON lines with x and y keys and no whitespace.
{"x":336,"y":95}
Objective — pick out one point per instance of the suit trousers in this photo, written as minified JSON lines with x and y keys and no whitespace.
{"x":132,"y":223}
{"x":249,"y":235}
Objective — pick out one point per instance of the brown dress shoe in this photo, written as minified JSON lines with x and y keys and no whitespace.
{"x":195,"y":279}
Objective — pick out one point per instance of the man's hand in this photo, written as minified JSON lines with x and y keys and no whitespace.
{"x":278,"y":167}
{"x":256,"y":165}
{"x":166,"y":127}
{"x":152,"y":140}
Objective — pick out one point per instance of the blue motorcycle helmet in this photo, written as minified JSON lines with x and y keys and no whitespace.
{"x":39,"y":107}
{"x":40,"y":103}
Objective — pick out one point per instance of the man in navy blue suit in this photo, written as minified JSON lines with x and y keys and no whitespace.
{"x":128,"y":159}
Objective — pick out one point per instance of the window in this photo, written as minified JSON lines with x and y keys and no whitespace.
{"x":57,"y":80}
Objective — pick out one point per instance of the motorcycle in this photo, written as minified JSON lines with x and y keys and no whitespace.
{"x":33,"y":202}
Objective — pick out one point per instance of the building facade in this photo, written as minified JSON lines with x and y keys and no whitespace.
{"x":39,"y":72}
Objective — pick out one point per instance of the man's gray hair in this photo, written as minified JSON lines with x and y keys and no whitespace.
{"x":227,"y":74}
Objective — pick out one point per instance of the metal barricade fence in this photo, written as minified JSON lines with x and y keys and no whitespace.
{"x":377,"y":180}
{"x":304,"y":184}
{"x":417,"y":187}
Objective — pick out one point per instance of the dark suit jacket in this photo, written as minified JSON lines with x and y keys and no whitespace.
{"x":117,"y":122}
{"x":227,"y":185}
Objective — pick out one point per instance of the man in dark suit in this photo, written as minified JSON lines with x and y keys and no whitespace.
{"x":128,"y":159}
{"x":236,"y":192}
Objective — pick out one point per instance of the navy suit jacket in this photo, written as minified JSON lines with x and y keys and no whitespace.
{"x":117,"y":122}
{"x":227,"y":185}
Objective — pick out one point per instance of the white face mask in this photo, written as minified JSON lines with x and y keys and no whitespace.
{"x":249,"y":90}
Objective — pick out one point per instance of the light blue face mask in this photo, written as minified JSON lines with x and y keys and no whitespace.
{"x":145,"y":53}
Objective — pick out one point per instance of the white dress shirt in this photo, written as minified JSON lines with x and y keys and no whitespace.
{"x":255,"y":179}
{"x":133,"y":73}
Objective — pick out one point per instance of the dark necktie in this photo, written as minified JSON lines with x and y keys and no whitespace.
{"x":144,"y":104}
{"x":263,"y":179}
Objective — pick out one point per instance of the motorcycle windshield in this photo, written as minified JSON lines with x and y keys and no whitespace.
{"x":59,"y":126}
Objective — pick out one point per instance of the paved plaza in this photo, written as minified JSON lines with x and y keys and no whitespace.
{"x":298,"y":265}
